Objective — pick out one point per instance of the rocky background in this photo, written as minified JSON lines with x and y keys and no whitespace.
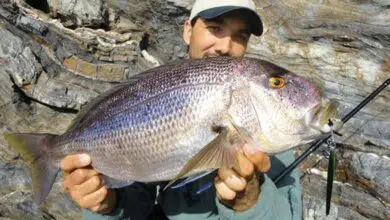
{"x":56,"y":55}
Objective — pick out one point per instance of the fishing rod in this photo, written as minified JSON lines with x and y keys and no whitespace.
{"x":313,"y":147}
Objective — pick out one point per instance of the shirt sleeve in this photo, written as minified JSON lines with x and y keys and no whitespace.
{"x":134,"y":202}
{"x":282,"y":201}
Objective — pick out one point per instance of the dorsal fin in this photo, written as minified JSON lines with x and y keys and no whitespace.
{"x":89,"y":112}
{"x":92,"y":104}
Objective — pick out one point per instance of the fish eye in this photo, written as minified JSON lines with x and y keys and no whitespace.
{"x":276,"y":82}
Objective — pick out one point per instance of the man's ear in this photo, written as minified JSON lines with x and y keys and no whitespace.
{"x":187,"y":32}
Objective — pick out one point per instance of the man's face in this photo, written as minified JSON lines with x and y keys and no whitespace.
{"x":226,"y":35}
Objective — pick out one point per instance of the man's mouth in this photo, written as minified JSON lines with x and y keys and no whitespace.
{"x":211,"y":55}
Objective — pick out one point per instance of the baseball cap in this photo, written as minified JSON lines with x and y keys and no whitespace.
{"x":209,"y":9}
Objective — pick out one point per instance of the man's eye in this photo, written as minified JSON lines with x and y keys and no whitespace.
{"x":243,"y":37}
{"x":213,"y":28}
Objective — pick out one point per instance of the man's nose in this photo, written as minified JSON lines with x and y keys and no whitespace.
{"x":223,"y":45}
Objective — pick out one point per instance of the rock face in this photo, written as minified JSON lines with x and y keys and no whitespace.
{"x":57,"y":55}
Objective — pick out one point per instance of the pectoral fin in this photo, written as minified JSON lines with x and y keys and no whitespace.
{"x":218,"y":153}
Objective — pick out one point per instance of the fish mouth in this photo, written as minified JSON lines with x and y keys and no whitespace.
{"x":323,"y":117}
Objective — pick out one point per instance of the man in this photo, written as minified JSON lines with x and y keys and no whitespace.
{"x":215,"y":28}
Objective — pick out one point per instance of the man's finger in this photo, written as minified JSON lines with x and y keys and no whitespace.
{"x":94,"y":199}
{"x":89,"y":186}
{"x":96,"y":208}
{"x":265,"y":165}
{"x":78,"y":177}
{"x":72,"y":162}
{"x":232,"y":179}
{"x":223,"y":191}
{"x":260,"y":159}
{"x":245,"y":166}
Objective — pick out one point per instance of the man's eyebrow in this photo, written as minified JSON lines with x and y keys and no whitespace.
{"x":220,"y":20}
{"x":217,"y":20}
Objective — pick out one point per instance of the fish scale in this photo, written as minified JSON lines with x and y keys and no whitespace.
{"x":178,"y":120}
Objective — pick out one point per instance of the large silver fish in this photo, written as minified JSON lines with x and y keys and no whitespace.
{"x":181,"y":119}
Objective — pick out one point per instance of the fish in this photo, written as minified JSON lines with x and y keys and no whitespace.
{"x":182,"y":119}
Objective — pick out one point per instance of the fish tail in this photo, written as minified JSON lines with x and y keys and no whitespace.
{"x":34,"y":149}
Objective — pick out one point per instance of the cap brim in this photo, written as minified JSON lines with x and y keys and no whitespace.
{"x":255,"y":20}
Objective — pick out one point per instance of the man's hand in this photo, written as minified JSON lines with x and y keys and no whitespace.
{"x":239,"y":188}
{"x":84,"y":184}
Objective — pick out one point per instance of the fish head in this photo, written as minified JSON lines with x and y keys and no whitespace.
{"x":291,"y":110}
